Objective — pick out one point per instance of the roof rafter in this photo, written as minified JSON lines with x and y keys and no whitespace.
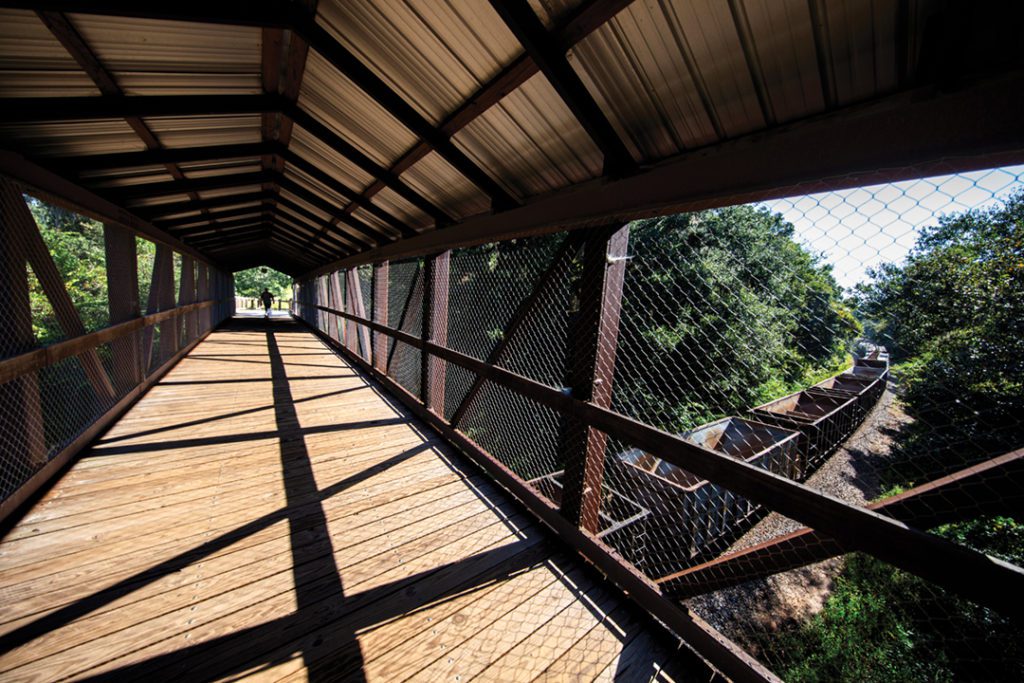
{"x":581,"y":23}
{"x":548,"y":53}
{"x":157,"y":212}
{"x":65,"y":32}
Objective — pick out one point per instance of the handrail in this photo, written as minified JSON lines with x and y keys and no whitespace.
{"x":988,"y":580}
{"x":948,"y":499}
{"x":30,"y":361}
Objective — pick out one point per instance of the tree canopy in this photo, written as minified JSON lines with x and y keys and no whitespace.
{"x":253,"y":281}
{"x":723,"y":311}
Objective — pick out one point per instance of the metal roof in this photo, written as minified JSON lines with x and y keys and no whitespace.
{"x":351,"y":129}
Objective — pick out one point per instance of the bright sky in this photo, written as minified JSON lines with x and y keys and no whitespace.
{"x":862,"y":228}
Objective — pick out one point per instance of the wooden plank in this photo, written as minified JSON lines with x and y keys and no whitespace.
{"x":722,"y":653}
{"x":54,"y":465}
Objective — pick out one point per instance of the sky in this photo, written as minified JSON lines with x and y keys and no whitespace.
{"x":858,"y":229}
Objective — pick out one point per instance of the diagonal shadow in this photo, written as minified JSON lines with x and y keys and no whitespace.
{"x":225,"y":416}
{"x":275,"y":641}
{"x":65,"y":615}
{"x":295,"y":432}
{"x":300,"y":481}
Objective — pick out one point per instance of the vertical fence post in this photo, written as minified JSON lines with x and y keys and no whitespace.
{"x":359,"y":334}
{"x":203,"y":294}
{"x":593,"y":339}
{"x":435,"y":329}
{"x":123,"y":302}
{"x":187,"y":295}
{"x":21,"y":420}
{"x":339,"y":303}
{"x":381,"y":273}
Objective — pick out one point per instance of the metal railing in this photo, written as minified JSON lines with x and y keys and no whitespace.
{"x":585,"y":373}
{"x":76,"y":352}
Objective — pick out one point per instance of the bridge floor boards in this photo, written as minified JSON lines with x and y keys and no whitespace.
{"x":265,"y":512}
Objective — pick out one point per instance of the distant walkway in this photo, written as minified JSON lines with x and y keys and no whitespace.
{"x":263,"y":511}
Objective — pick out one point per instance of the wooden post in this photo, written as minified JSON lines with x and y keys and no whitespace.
{"x":203,"y":294}
{"x":354,"y":292}
{"x":163,"y":283}
{"x":593,"y":339}
{"x":435,"y":329}
{"x":339,"y":303}
{"x":21,"y":421}
{"x":381,"y":273}
{"x":123,"y":303}
{"x":187,"y":295}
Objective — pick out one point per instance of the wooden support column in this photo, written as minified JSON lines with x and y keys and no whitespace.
{"x":187,"y":295}
{"x":339,"y":303}
{"x":203,"y":294}
{"x":360,"y":334}
{"x":163,"y":283}
{"x":593,"y":339}
{"x":21,"y":420}
{"x":123,"y":303}
{"x":381,"y":273}
{"x":50,"y":279}
{"x":435,"y":329}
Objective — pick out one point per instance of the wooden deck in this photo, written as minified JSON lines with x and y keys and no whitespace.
{"x":264,"y":511}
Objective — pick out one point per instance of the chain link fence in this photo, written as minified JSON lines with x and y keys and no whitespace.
{"x":866,"y":343}
{"x":67,"y":278}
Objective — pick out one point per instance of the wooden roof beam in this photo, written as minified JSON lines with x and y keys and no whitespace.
{"x":580,"y":23}
{"x":548,"y":52}
{"x":156,"y":211}
{"x":190,"y":221}
{"x":81,"y":164}
{"x":159,"y":157}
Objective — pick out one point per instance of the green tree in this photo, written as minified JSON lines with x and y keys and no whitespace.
{"x":954,"y":315}
{"x":253,"y":281}
{"x":724,"y":311}
{"x":77,"y":247}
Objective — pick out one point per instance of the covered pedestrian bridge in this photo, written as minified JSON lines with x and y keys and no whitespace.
{"x":410,"y":476}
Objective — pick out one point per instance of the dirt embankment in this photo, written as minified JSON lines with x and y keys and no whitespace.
{"x":793,"y":596}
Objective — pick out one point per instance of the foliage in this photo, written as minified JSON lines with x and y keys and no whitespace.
{"x":253,"y":281}
{"x":725,"y":311}
{"x":883,"y":624}
{"x":954,"y":315}
{"x":77,"y":246}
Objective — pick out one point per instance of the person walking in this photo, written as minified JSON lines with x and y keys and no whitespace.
{"x":267,"y":298}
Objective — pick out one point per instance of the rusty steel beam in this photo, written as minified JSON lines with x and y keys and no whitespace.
{"x":979,"y":577}
{"x":994,"y":487}
{"x":593,"y":339}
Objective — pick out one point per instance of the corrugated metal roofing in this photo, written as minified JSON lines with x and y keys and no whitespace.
{"x":34,"y":64}
{"x":669,"y":75}
{"x":435,"y":54}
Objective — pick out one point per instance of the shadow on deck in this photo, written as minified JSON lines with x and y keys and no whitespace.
{"x":265,"y":509}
